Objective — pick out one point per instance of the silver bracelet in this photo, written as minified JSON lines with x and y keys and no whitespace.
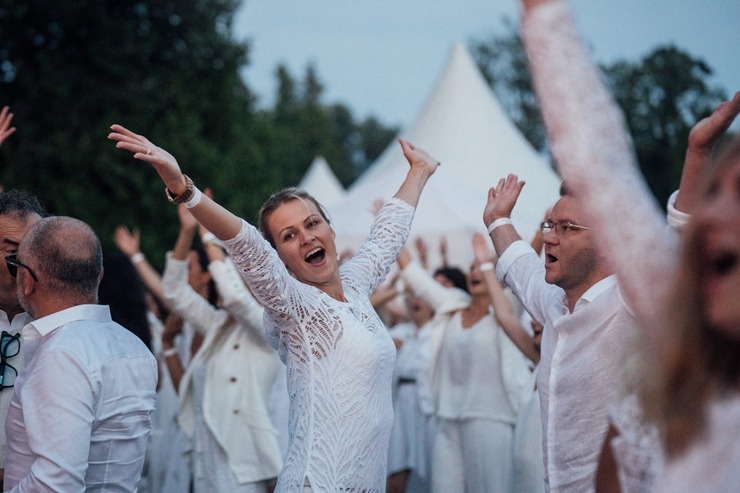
{"x":485,"y":266}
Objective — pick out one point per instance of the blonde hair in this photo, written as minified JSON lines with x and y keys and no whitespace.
{"x":695,"y":362}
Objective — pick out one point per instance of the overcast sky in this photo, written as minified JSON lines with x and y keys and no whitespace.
{"x":382,"y":57}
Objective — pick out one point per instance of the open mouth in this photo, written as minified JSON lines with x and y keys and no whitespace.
{"x":315,"y":256}
{"x":550,"y":258}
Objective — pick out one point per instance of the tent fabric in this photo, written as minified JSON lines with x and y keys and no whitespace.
{"x":463,"y":125}
{"x":321,"y":182}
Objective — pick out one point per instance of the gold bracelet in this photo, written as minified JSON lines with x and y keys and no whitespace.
{"x":184,"y":196}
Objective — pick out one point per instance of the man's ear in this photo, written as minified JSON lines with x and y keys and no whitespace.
{"x":29,"y":284}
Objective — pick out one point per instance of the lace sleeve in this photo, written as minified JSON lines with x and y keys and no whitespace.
{"x":370,"y":265}
{"x":595,"y":157}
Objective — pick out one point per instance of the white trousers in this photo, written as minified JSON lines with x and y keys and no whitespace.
{"x":472,"y":456}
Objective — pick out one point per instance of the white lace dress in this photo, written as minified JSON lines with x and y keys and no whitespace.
{"x":339,"y":358}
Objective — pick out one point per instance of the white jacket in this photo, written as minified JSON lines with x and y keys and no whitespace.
{"x":241,"y":368}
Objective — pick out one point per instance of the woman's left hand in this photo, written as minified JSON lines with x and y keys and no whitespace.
{"x":418,"y":158}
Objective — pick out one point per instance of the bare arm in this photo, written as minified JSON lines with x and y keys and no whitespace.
{"x":501,"y":201}
{"x":503,"y":311}
{"x":210,"y":214}
{"x":5,"y":129}
{"x":128,"y":242}
{"x":422,"y":166}
{"x":172,"y":327}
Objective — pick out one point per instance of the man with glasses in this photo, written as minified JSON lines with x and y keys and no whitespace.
{"x":79,"y":418}
{"x":19,"y":211}
{"x":586,"y":324}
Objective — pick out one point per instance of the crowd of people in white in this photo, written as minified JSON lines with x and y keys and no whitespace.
{"x":603,"y":355}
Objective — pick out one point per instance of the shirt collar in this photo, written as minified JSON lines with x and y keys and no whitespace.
{"x":45,"y":325}
{"x":597,"y":289}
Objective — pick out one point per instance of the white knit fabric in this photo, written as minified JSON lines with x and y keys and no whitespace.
{"x":339,"y":358}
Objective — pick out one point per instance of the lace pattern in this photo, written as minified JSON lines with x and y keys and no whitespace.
{"x":339,"y":358}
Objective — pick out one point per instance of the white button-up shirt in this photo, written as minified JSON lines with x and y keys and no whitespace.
{"x":580,"y":371}
{"x":80,"y":414}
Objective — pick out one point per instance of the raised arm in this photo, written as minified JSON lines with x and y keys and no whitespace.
{"x":497,"y":213}
{"x":129,"y":243}
{"x":594,"y":154}
{"x":213,"y":216}
{"x":421,"y":167}
{"x":5,"y":129}
{"x":503,"y":310}
{"x":702,"y":139}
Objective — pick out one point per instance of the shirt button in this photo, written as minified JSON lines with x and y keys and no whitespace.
{"x":232,"y":379}
{"x":236,"y":346}
{"x":236,"y":411}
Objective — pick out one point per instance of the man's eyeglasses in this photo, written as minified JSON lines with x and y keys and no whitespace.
{"x":561,"y":229}
{"x":10,"y":346}
{"x":13,"y":263}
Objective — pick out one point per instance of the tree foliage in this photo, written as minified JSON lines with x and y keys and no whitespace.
{"x":661,"y":95}
{"x":170,"y":70}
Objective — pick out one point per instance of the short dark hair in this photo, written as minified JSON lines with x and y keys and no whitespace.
{"x":20,"y":204}
{"x":279,"y":198}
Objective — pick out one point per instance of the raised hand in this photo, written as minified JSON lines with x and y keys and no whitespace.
{"x":705,"y":134}
{"x":187,"y":221}
{"x":482,"y":249}
{"x":502,"y":198}
{"x":129,"y":242}
{"x":162,"y":161}
{"x":418,"y":157}
{"x":5,"y":129}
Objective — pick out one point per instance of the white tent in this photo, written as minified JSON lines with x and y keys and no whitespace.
{"x":322,"y":183}
{"x":463,"y":125}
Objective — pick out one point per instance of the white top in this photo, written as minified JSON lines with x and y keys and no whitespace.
{"x":471,"y":377}
{"x":80,"y":415}
{"x":637,"y":448}
{"x":712,"y":464}
{"x":339,"y":358}
{"x":450,"y":386}
{"x":240,"y":369}
{"x":11,"y":327}
{"x":580,"y":367}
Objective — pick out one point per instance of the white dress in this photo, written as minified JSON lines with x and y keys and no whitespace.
{"x":339,"y":358}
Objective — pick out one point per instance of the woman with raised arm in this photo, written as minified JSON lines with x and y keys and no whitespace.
{"x":318,"y":316}
{"x":684,"y":292}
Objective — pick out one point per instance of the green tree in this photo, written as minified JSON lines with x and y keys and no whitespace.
{"x":662,"y":96}
{"x":168,"y":69}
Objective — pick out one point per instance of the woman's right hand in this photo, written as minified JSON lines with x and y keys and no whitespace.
{"x":162,"y":161}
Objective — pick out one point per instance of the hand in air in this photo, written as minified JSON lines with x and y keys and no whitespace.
{"x":418,"y":157}
{"x":5,"y":129}
{"x":502,"y":198}
{"x":162,"y":161}
{"x":127,"y":241}
{"x":705,"y":134}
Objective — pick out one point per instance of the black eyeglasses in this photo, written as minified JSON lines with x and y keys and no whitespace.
{"x":13,"y":263}
{"x":10,"y":346}
{"x":561,"y":229}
